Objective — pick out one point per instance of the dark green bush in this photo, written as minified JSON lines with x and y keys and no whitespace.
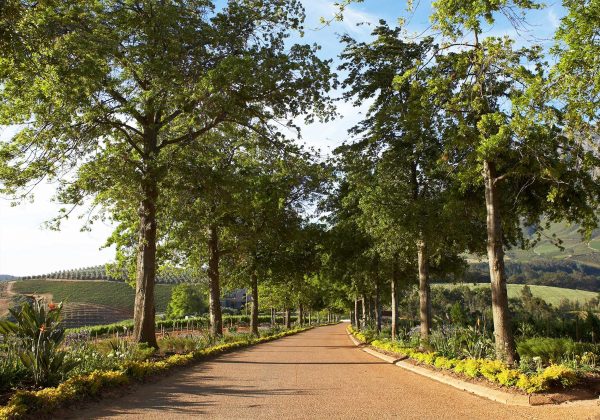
{"x":553,"y":350}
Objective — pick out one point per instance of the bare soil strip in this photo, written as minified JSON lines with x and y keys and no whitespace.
{"x":316,"y":374}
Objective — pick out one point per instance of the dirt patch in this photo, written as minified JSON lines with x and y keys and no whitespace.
{"x":6,"y":295}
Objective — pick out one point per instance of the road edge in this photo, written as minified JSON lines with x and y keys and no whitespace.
{"x":479,"y":390}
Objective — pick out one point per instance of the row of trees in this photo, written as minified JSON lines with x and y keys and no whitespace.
{"x":169,"y":118}
{"x":467,"y":139}
{"x":166,"y":118}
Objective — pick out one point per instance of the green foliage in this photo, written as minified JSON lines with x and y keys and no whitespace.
{"x":458,"y":342}
{"x":554,"y":350}
{"x":575,"y":74}
{"x":38,"y":330}
{"x":458,"y":315}
{"x":554,"y":375}
{"x":12,"y":370}
{"x":455,"y":17}
{"x":186,"y":299}
{"x":151,"y":82}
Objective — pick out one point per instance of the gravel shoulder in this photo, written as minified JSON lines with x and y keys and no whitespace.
{"x":315,"y":374}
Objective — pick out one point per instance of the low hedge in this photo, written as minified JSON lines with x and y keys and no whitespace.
{"x":25,"y":403}
{"x":492,"y":370}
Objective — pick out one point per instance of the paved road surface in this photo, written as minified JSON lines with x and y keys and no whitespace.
{"x":315,"y":374}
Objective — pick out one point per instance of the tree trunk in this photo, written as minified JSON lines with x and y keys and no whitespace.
{"x":144,"y":309}
{"x":288,"y":321}
{"x":364,"y":312}
{"x":377,"y":305}
{"x":395,"y":275}
{"x":214,"y":287}
{"x":273,"y":316}
{"x":300,"y":315}
{"x":424,"y":290}
{"x":356,"y":315}
{"x":505,"y":343}
{"x":254,"y":318}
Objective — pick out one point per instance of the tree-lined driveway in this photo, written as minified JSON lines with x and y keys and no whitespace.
{"x":315,"y":374}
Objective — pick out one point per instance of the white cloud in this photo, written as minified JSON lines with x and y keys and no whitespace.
{"x":327,"y":136}
{"x":356,"y":21}
{"x":553,"y":18}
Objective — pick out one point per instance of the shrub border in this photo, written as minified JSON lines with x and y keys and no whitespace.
{"x":504,"y":397}
{"x":78,"y":388}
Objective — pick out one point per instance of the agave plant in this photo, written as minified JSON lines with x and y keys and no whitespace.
{"x":38,"y":330}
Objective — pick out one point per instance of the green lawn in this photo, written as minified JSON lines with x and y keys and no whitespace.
{"x":595,"y":244}
{"x":114,"y":294}
{"x":551,"y":295}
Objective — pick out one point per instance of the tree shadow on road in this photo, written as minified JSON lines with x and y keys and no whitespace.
{"x":185,"y":397}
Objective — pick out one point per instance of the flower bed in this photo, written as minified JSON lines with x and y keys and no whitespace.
{"x":74,"y":389}
{"x":492,"y":370}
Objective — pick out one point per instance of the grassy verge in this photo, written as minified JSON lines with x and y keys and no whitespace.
{"x":492,"y":370}
{"x":27,"y":403}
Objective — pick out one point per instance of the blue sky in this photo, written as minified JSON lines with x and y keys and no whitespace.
{"x":27,"y":248}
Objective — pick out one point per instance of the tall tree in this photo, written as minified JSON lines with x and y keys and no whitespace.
{"x":98,"y":83}
{"x":575,"y":79}
{"x":508,"y":136}
{"x":404,"y":184}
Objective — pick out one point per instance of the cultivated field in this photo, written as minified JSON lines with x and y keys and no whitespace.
{"x":107,"y":293}
{"x":552,"y":295}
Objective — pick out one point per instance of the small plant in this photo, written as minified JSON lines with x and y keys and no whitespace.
{"x":38,"y":331}
{"x":12,"y":370}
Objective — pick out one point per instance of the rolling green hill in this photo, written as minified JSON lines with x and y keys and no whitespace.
{"x":552,"y":295}
{"x":575,"y":266}
{"x":114,"y":294}
{"x":575,"y":247}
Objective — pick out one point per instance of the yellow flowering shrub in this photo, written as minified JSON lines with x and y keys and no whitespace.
{"x":444,"y":363}
{"x":508,"y":377}
{"x":490,"y":369}
{"x":558,"y":374}
{"x":531,"y":383}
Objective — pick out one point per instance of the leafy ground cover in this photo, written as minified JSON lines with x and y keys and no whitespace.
{"x":567,"y":364}
{"x":552,"y":295}
{"x":113,"y":294}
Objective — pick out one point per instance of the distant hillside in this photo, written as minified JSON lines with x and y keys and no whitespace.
{"x":6,"y":277}
{"x":577,"y":266}
{"x":552,"y":295}
{"x":575,"y":248}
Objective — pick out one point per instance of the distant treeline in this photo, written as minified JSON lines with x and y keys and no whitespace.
{"x":561,"y":273}
{"x":168,"y":275}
